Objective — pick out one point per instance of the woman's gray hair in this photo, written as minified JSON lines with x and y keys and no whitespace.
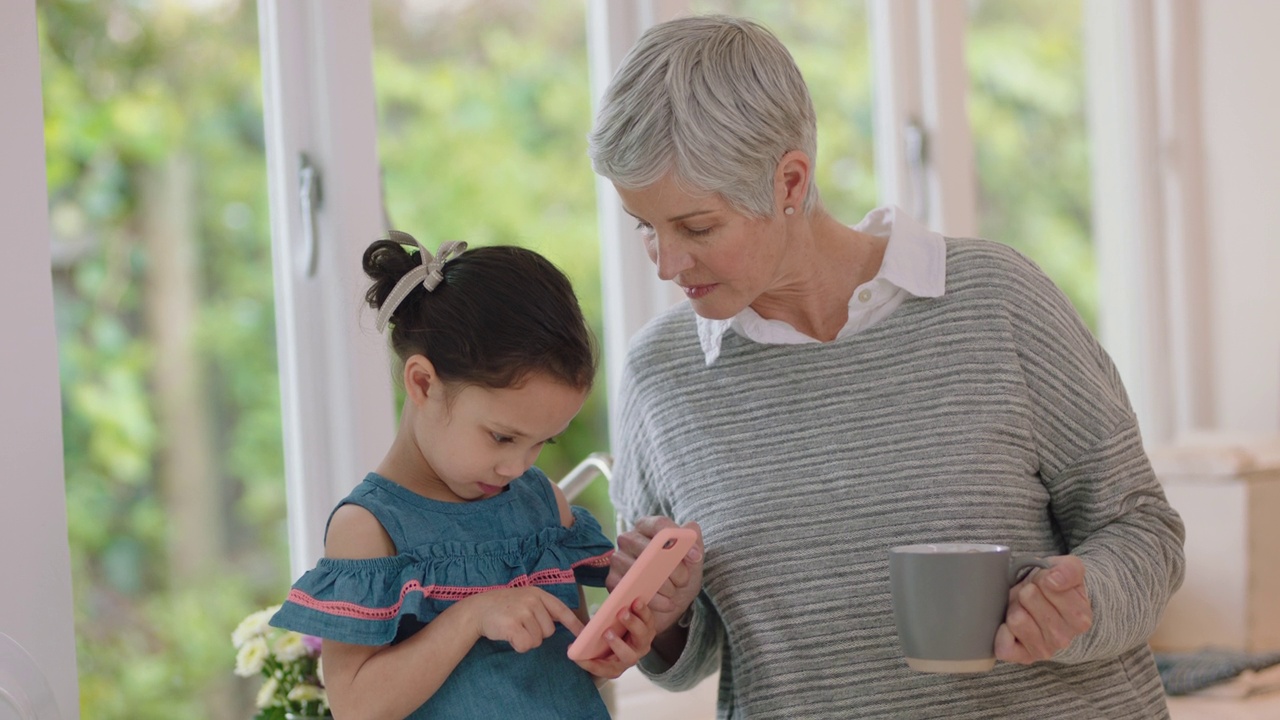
{"x":717,"y":99}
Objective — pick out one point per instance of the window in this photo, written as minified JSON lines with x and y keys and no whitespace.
{"x":483,"y":113}
{"x":1027,"y":114}
{"x":171,"y":415}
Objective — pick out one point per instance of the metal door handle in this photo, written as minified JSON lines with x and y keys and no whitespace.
{"x":309,"y":198}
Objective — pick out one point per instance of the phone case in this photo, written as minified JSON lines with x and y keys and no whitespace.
{"x":651,"y":569}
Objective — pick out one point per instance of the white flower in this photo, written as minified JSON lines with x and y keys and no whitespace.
{"x":320,"y":670}
{"x":306,"y":693}
{"x":256,"y":625}
{"x":251,"y":657}
{"x":289,"y":647}
{"x":267,"y":693}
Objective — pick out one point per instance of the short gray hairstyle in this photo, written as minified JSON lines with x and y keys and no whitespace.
{"x":717,"y":99}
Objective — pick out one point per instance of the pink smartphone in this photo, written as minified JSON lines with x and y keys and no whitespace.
{"x":651,"y":569}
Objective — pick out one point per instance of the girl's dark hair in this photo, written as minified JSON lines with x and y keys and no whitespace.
{"x":500,"y":314}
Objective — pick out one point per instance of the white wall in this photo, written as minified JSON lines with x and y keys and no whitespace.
{"x":1240,"y":57}
{"x":35,"y":566}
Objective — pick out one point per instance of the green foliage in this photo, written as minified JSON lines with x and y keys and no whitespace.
{"x":127,"y":86}
{"x":1026,"y":106}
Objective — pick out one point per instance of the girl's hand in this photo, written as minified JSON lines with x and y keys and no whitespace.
{"x":1047,"y":610}
{"x":679,"y":591}
{"x":641,"y":626}
{"x":523,"y":617}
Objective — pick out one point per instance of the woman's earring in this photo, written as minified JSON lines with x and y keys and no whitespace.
{"x":789,"y":210}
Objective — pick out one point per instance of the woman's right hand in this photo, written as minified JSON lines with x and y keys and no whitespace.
{"x":523,"y":617}
{"x":679,"y":591}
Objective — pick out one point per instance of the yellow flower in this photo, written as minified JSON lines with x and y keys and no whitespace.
{"x":256,"y":625}
{"x":251,"y":657}
{"x":306,"y":693}
{"x":289,"y":647}
{"x":267,"y":693}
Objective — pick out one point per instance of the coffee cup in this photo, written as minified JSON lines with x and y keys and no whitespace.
{"x":948,"y":601}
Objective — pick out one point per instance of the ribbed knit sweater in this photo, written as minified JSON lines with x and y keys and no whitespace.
{"x":989,"y":414}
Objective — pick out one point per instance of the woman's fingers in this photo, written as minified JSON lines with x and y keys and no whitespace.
{"x":1032,"y":618}
{"x":630,"y":544}
{"x":1047,"y":612}
{"x":683,"y":584}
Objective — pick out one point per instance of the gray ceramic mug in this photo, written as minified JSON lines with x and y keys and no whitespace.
{"x":948,"y":601}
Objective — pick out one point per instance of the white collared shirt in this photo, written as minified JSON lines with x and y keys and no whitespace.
{"x":914,"y":265}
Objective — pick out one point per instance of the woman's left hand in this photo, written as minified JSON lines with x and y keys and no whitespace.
{"x":627,"y":649}
{"x":1047,"y":610}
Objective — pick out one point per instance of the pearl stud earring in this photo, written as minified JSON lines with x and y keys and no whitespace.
{"x":789,"y":210}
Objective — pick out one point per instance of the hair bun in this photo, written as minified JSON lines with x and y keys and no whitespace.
{"x":385,"y":262}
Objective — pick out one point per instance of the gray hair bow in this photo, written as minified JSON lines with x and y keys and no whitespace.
{"x":430,"y":273}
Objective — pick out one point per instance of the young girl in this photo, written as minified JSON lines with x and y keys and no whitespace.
{"x":449,"y":586}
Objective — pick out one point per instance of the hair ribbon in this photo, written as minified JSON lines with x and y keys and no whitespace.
{"x":430,"y":273}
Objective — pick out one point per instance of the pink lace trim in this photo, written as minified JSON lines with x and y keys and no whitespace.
{"x":440,"y":592}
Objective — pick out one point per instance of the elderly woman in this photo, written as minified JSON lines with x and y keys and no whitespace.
{"x":828,"y":392}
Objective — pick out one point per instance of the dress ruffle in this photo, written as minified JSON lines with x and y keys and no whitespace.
{"x":363,"y":602}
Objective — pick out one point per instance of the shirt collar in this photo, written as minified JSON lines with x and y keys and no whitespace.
{"x":915,"y":259}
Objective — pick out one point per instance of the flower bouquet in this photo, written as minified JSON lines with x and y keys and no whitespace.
{"x":290,"y":662}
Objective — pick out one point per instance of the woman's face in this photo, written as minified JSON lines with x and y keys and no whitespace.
{"x":722,"y":259}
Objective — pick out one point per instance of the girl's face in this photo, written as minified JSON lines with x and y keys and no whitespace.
{"x":476,"y":441}
{"x":723,"y":260}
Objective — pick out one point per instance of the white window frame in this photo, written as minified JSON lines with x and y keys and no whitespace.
{"x":1146,"y":147}
{"x":1142,"y":63}
{"x":632,"y":292}
{"x":923,"y":144}
{"x":36,"y":605}
{"x":336,"y":396}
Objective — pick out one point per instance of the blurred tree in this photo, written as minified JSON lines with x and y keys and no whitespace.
{"x":162,"y":273}
{"x":1026,"y":106}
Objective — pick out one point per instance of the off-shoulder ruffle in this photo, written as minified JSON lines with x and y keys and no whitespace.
{"x":363,"y":601}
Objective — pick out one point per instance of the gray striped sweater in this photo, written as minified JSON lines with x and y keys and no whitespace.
{"x":989,"y":414}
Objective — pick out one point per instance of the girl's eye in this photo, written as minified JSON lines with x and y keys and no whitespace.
{"x":502,"y":439}
{"x":644,"y":228}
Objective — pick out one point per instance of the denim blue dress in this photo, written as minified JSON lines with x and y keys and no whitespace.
{"x":449,"y":551}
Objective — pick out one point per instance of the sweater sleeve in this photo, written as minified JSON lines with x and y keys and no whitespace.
{"x":635,"y":492}
{"x":1104,"y":497}
{"x":701,"y":655}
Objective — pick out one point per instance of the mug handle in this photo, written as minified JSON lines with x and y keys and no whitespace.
{"x":1018,"y":563}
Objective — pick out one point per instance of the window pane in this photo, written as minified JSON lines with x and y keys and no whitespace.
{"x":171,"y":420}
{"x":830,"y":44}
{"x":483,"y":113}
{"x":1026,"y":105}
